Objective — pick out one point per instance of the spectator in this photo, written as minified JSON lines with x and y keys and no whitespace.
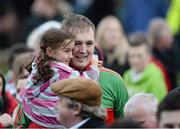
{"x":168,"y":114}
{"x":19,"y":67}
{"x":79,"y":103}
{"x":154,"y":60}
{"x":112,"y":40}
{"x":43,"y":11}
{"x":14,"y":51}
{"x":114,"y":91}
{"x":8,"y":26}
{"x":7,"y":101}
{"x":142,"y":108}
{"x":143,"y":75}
{"x":165,"y":48}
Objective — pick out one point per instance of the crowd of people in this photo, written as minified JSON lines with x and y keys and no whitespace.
{"x":71,"y":75}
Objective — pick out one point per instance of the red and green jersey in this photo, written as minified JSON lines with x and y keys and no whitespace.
{"x":114,"y":91}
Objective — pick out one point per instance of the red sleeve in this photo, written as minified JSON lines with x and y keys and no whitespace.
{"x":13,"y":103}
{"x":110,"y":116}
{"x":1,"y":126}
{"x":164,"y":72}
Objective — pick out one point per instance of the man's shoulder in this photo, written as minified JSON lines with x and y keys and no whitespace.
{"x":110,"y":75}
{"x":109,"y":71}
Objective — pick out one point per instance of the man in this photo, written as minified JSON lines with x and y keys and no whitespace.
{"x":168,"y":114}
{"x":142,"y":108}
{"x":79,"y":103}
{"x":114,"y":92}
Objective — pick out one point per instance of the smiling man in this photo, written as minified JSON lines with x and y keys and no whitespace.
{"x":114,"y":92}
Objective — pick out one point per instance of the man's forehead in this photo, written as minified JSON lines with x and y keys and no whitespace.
{"x":171,"y":115}
{"x":84,"y":35}
{"x":82,"y":30}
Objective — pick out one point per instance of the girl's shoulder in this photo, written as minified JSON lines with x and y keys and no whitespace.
{"x":61,"y":66}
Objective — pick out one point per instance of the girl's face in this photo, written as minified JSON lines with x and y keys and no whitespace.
{"x":64,"y":54}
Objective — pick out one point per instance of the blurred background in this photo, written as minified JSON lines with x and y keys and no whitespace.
{"x":120,"y":19}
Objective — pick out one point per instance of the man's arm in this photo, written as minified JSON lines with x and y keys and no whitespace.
{"x":115,"y":94}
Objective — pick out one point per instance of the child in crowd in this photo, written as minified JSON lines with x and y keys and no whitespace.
{"x":51,"y":65}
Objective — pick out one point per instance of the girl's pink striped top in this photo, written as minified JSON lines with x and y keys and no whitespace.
{"x":39,"y":101}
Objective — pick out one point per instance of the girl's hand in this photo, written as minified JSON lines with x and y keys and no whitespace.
{"x":100,"y":63}
{"x":94,"y":60}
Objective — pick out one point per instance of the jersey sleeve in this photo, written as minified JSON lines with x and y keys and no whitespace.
{"x":115,"y":94}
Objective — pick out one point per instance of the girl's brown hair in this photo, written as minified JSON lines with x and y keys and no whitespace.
{"x":53,"y":38}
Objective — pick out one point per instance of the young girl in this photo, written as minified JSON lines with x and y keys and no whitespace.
{"x":51,"y":65}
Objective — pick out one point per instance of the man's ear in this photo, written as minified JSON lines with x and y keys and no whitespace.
{"x":77,"y":109}
{"x":49,"y":52}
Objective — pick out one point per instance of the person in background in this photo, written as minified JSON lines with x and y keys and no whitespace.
{"x":144,"y":38}
{"x":9,"y":23}
{"x":113,"y":87}
{"x":143,"y":75}
{"x":165,"y":48}
{"x":168,"y":113}
{"x":79,"y":103}
{"x":19,"y":68}
{"x":7,"y":101}
{"x":111,"y":38}
{"x":14,"y":51}
{"x":43,"y":11}
{"x":142,"y":108}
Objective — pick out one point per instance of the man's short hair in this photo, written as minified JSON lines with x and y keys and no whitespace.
{"x":75,"y":23}
{"x":170,"y":103}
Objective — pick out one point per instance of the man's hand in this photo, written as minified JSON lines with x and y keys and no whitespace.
{"x":5,"y":120}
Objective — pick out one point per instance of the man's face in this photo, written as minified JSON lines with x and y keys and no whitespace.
{"x":83,"y":49}
{"x":170,"y":119}
{"x":65,"y":114}
{"x":147,"y":119}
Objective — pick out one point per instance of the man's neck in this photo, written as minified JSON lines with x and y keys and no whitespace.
{"x":80,"y":69}
{"x":73,"y":122}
